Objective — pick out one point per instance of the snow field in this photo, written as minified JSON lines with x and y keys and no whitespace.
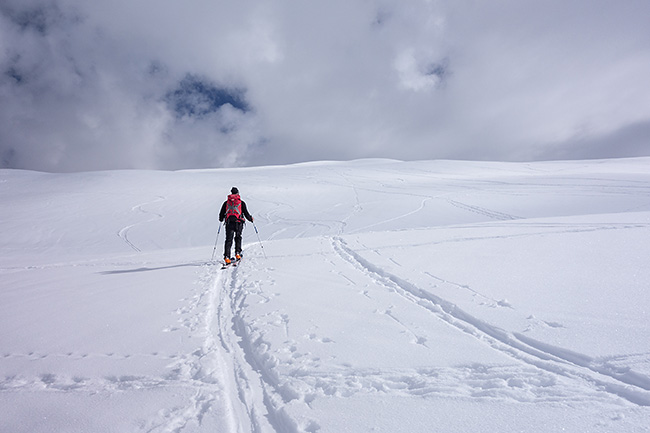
{"x":390,"y":296}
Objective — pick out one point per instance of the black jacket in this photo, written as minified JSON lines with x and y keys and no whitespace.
{"x":244,"y":211}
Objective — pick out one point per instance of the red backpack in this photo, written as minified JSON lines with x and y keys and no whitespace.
{"x":233,"y":206}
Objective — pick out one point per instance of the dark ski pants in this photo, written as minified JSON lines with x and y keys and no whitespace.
{"x":234,"y":228}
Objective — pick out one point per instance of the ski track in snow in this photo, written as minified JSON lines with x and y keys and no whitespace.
{"x":124,"y":232}
{"x":253,"y":380}
{"x":483,"y":211}
{"x":621,"y":382}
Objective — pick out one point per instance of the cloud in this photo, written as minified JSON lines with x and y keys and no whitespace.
{"x":204,"y":83}
{"x":628,"y":141}
{"x":418,"y":75}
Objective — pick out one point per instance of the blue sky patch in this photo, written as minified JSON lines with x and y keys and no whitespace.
{"x":196,"y":97}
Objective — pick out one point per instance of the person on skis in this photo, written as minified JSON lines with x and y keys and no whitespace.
{"x":233,"y":212}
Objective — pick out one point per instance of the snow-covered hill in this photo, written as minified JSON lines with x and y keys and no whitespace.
{"x":384,"y":296}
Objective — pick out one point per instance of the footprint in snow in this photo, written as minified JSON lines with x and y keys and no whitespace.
{"x":315,"y":337}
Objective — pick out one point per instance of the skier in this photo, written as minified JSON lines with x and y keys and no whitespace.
{"x":233,"y":211}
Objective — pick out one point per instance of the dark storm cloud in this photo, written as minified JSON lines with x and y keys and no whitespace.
{"x":208,"y":83}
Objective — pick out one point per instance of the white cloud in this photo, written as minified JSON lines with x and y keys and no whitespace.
{"x":84,"y":84}
{"x":418,"y":74}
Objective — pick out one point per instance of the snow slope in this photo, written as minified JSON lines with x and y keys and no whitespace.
{"x":390,"y":296}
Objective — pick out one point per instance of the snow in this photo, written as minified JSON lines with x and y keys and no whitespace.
{"x":380,"y":296}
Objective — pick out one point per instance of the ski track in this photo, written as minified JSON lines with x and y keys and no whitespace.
{"x":258,"y":388}
{"x":124,"y":232}
{"x":483,"y":211}
{"x":245,"y":384}
{"x":616,"y":381}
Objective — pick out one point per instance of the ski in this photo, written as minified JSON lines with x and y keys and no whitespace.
{"x":233,"y":263}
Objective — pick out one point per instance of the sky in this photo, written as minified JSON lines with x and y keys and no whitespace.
{"x":169,"y":84}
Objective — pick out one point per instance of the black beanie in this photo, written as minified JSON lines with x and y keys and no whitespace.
{"x":234,"y":190}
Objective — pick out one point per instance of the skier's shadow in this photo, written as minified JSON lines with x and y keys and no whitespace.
{"x":130,"y":271}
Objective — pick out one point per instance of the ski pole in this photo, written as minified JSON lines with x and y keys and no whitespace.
{"x":259,"y":240}
{"x":215,"y":242}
